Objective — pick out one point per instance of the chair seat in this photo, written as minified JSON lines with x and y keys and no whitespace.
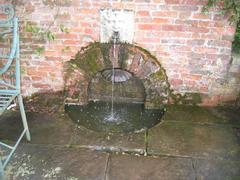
{"x":5,"y":100}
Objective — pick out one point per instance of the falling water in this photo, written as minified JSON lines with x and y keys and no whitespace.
{"x":113,"y":73}
{"x":112,"y":116}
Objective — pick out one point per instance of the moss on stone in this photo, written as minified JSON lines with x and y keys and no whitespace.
{"x":159,"y":75}
{"x":192,"y":98}
{"x":88,"y":61}
{"x":105,"y":48}
{"x":123,"y":56}
{"x":186,"y":99}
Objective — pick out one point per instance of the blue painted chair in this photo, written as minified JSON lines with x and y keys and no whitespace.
{"x":10,"y":75}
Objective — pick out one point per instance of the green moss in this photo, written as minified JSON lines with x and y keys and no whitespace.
{"x":187,"y":99}
{"x":123,"y":56}
{"x":176,"y":97}
{"x":105,"y":48}
{"x":88,"y":61}
{"x":159,"y":74}
{"x":192,"y":98}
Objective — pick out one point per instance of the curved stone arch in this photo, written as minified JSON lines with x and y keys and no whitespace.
{"x":99,"y":56}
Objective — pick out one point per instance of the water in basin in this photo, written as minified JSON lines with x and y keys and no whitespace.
{"x":127,"y":117}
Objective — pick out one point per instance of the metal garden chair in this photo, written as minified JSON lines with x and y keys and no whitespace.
{"x":10,"y":75}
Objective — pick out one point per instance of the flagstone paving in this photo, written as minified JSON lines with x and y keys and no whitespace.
{"x":189,"y":143}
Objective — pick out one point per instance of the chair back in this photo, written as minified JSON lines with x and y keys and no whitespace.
{"x":9,"y":50}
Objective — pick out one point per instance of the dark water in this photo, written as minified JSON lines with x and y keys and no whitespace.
{"x":128,"y":117}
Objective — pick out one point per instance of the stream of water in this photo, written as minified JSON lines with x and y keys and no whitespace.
{"x":113,"y":116}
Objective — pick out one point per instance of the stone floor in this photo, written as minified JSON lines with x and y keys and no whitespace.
{"x":189,"y":143}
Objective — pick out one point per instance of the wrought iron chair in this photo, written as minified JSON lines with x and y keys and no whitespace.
{"x":10,"y":75}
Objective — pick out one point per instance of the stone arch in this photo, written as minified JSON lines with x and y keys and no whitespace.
{"x":97,"y":56}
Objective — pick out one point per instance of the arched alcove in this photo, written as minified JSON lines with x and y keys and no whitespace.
{"x":84,"y":70}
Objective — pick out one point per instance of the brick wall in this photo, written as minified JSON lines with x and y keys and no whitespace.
{"x":194,"y":48}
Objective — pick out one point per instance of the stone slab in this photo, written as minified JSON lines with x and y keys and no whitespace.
{"x":53,"y":163}
{"x":194,"y":140}
{"x":44,"y":128}
{"x":10,"y":125}
{"x":202,"y":115}
{"x":217,"y":169}
{"x":117,"y":141}
{"x":141,"y":168}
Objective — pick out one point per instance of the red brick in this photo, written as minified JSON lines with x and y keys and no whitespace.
{"x":149,"y":27}
{"x":173,"y":28}
{"x":185,"y":15}
{"x":169,"y":14}
{"x":197,"y":29}
{"x":185,"y":8}
{"x":181,"y":48}
{"x":71,"y":42}
{"x":195,"y":2}
{"x":187,"y":22}
{"x":89,"y":31}
{"x":88,"y":11}
{"x":143,"y":13}
{"x":37,"y":78}
{"x":176,"y":82}
{"x":201,"y":16}
{"x":172,"y":1}
{"x":180,"y":34}
{"x":85,"y":24}
{"x":66,"y":36}
{"x":218,"y":43}
{"x":206,"y":23}
{"x":149,"y":40}
{"x":52,"y":58}
{"x":192,"y":77}
{"x":206,"y":50}
{"x":161,"y":21}
{"x":34,"y":72}
{"x":52,"y":53}
{"x":41,"y":86}
{"x":196,"y":42}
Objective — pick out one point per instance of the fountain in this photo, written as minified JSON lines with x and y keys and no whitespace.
{"x":121,"y":96}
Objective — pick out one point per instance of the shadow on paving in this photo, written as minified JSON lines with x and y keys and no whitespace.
{"x":190,"y":142}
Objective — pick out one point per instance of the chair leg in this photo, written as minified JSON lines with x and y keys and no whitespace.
{"x":1,"y":169}
{"x":24,"y":119}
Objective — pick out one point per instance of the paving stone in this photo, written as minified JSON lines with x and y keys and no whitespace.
{"x":217,"y":169}
{"x":186,"y":139}
{"x":202,"y":115}
{"x":54,"y":163}
{"x":125,"y":167}
{"x":47,"y":129}
{"x":119,"y":141}
{"x":10,"y":125}
{"x":44,"y":128}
